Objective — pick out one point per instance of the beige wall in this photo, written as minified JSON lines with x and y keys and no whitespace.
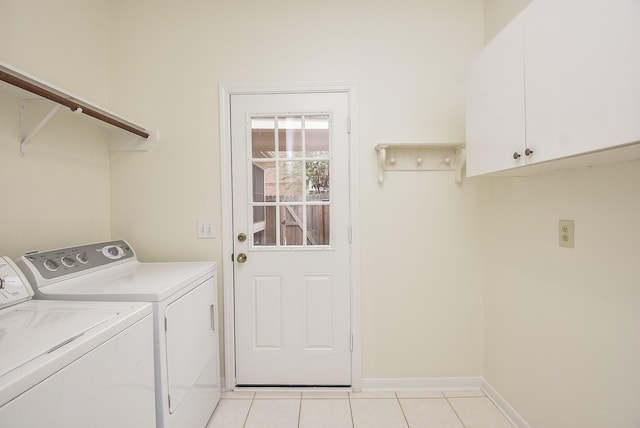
{"x":421,"y":289}
{"x":160,"y":63}
{"x":561,"y":325}
{"x":58,"y":194}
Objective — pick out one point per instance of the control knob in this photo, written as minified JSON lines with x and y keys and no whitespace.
{"x":68,"y":261}
{"x":51,"y":265}
{"x":83,"y":257}
{"x":113,"y":252}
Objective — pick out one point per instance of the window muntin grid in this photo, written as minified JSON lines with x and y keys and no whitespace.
{"x":290,"y":168}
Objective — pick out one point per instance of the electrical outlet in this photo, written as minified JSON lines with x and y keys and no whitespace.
{"x":566,"y":233}
{"x":206,"y":229}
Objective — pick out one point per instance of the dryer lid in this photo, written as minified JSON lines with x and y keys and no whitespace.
{"x":133,"y":282}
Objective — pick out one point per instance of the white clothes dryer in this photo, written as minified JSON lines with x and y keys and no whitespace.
{"x":73,"y":364}
{"x":184,"y":299}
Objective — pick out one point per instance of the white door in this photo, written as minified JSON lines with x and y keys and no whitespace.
{"x":290,"y":170}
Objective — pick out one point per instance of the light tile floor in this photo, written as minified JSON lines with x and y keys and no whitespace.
{"x":343,"y":409}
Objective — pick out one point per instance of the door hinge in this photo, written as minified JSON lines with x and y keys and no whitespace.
{"x":350,"y":234}
{"x":351,"y":342}
{"x":348,"y":124}
{"x":169,"y":400}
{"x":232,"y":257}
{"x":165,"y":324}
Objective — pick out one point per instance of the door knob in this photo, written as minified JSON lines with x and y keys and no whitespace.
{"x":242,"y":257}
{"x":528,"y":152}
{"x":242,"y":237}
{"x":516,"y":155}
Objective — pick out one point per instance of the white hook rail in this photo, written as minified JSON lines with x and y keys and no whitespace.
{"x":421,"y":157}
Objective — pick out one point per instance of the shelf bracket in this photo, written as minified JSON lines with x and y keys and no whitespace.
{"x":382,"y":160}
{"x":461,"y":161}
{"x":26,"y":139}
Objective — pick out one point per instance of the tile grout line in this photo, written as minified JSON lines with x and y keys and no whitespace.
{"x":246,"y":418}
{"x":404,"y":415}
{"x":353,"y":424}
{"x":454,"y":410}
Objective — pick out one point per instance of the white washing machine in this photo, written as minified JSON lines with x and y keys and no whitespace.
{"x":73,"y":364}
{"x":184,"y":298}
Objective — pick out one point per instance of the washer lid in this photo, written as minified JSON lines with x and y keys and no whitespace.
{"x":27,"y":333}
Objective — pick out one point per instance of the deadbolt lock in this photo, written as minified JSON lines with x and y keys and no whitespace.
{"x":242,"y":237}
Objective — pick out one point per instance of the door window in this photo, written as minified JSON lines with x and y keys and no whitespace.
{"x":290,"y":174}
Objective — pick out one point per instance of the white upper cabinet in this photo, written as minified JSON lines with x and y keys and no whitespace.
{"x":582,"y":75}
{"x":581,"y":90}
{"x":495,"y":119}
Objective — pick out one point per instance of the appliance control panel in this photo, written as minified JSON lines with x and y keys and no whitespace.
{"x":65,"y":262}
{"x":14,"y":287}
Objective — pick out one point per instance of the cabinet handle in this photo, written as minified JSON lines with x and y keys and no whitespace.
{"x":528,"y":152}
{"x":212,"y":316}
{"x":516,"y":155}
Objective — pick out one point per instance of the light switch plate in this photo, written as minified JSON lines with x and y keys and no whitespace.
{"x":206,"y":229}
{"x":566,"y":233}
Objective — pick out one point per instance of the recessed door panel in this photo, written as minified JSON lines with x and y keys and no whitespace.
{"x":267,"y":312}
{"x":319,"y":317}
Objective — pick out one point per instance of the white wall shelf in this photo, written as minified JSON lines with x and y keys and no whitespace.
{"x":421,"y":157}
{"x":124,"y":134}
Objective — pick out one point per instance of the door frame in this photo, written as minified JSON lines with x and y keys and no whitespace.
{"x":226,"y":91}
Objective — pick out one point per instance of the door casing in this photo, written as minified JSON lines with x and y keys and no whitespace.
{"x":226,"y":90}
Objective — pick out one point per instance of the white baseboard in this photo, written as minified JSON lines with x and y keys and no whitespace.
{"x":423,"y":384}
{"x":504,"y":406}
{"x":447,"y":384}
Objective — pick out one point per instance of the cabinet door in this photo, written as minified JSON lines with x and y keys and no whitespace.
{"x":582,"y":75}
{"x":495,"y":117}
